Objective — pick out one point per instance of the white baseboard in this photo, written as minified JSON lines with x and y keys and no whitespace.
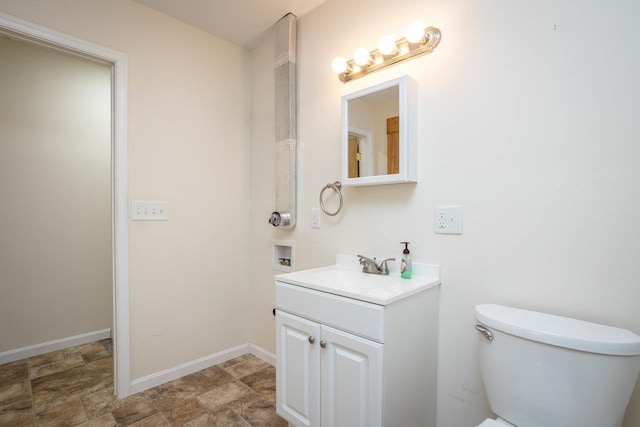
{"x":179,"y":371}
{"x":153,"y":380}
{"x":46,"y":347}
{"x":263,"y":354}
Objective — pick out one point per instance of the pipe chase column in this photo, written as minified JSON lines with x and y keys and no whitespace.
{"x":285,"y":120}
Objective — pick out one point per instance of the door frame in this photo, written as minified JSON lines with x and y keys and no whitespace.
{"x":38,"y":35}
{"x":365,"y":138}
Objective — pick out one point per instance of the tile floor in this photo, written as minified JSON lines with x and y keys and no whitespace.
{"x":74,"y":387}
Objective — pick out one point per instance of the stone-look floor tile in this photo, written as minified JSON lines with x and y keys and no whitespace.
{"x":133,"y":409}
{"x":254,"y":408}
{"x":90,"y":352}
{"x":209,"y":378}
{"x":222,"y":417}
{"x":14,"y":394}
{"x":215,"y":376}
{"x":104,"y":402}
{"x":235,"y":361}
{"x":18,"y":413}
{"x":237,"y":393}
{"x":83,"y":380}
{"x":104,"y":421}
{"x":184,"y":412}
{"x":156,"y":420}
{"x":169,"y":395}
{"x":277,"y":421}
{"x":224,"y":394}
{"x":17,"y":419}
{"x":44,"y":359}
{"x":100,"y":403}
{"x":14,"y":372}
{"x":247,"y":367}
{"x":108,"y":344}
{"x":66,"y":414}
{"x":264,"y":382}
{"x":58,"y":366}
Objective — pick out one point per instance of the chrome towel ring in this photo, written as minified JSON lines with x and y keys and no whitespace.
{"x":336,"y":186}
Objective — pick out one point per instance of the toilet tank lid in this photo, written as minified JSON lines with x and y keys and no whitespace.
{"x":559,"y":331}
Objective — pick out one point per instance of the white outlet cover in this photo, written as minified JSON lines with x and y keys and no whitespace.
{"x":448,"y":220}
{"x":315,"y":218}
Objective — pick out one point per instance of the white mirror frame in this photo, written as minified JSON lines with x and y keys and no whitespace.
{"x":408,"y":147}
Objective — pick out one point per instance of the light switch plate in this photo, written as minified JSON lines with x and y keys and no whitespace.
{"x":448,"y":220}
{"x":149,"y":211}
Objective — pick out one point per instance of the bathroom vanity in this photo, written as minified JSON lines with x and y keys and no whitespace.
{"x":357,"y":349}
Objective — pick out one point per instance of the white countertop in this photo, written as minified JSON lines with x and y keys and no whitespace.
{"x":346,"y":278}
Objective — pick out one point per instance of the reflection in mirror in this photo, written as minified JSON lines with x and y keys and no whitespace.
{"x":374,"y":134}
{"x":375,"y":140}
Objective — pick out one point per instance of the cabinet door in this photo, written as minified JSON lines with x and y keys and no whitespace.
{"x":297,"y":370}
{"x":351,"y":380}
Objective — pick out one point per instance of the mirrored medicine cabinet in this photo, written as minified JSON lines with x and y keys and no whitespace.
{"x":379,"y":134}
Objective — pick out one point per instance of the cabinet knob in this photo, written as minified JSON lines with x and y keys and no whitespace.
{"x":323,"y":344}
{"x":312,"y":340}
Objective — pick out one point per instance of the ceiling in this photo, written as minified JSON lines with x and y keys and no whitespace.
{"x":242,"y":22}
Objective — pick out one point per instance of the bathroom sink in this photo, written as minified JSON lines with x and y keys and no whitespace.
{"x":350,"y":279}
{"x":345,"y":278}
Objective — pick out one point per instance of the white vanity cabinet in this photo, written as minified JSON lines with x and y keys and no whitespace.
{"x":346,"y":362}
{"x":323,"y":364}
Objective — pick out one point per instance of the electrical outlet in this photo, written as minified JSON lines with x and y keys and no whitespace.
{"x":149,"y":211}
{"x":448,"y":220}
{"x":315,"y":218}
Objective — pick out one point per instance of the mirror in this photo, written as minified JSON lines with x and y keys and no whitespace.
{"x":377,"y":138}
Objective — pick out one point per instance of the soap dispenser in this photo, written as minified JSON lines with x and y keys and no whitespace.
{"x":405,"y":264}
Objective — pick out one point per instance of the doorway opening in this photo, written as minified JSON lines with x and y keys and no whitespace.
{"x":27,"y":32}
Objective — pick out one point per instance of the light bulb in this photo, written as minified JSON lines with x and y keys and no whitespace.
{"x":415,"y":32}
{"x":361,"y":56}
{"x":387,"y":45}
{"x":339,"y":64}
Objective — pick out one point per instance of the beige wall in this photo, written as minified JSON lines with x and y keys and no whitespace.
{"x":527,"y":118}
{"x":188,"y":138}
{"x":55,"y":185}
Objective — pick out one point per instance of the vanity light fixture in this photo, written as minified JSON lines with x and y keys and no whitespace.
{"x":418,"y":41}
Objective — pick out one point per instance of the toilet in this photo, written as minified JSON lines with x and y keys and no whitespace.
{"x":541,"y":370}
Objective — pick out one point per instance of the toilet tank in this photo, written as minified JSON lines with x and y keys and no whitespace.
{"x":541,"y":370}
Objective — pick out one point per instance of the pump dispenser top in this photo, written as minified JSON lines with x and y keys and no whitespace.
{"x":405,"y":264}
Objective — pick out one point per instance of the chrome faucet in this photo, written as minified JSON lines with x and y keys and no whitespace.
{"x":371,"y":266}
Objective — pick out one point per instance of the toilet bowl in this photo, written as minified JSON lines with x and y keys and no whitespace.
{"x":541,"y":370}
